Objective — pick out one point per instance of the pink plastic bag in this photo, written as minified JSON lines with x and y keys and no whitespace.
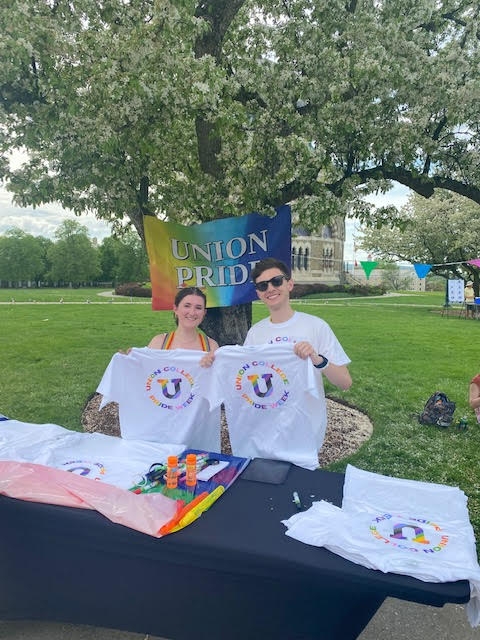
{"x":38,"y":483}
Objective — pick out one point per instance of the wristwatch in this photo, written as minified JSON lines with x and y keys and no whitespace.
{"x":322,"y":364}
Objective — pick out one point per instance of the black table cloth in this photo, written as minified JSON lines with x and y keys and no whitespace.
{"x":231,"y":574}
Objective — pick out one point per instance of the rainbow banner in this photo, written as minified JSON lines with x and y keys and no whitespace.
{"x":216,"y":256}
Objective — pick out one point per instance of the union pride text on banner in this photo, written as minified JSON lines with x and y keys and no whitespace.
{"x":216,"y":256}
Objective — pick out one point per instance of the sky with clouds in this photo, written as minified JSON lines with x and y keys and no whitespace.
{"x":397,"y":196}
{"x":44,"y":220}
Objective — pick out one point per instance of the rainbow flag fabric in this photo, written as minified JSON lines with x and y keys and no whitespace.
{"x":215,"y":256}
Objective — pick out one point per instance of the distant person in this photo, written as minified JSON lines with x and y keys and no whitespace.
{"x":474,"y":395}
{"x":469,"y":296}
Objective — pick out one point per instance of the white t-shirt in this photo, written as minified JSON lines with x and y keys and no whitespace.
{"x":91,"y":455}
{"x":303,"y":327}
{"x":158,"y":396}
{"x":397,"y":525}
{"x":270,"y":402}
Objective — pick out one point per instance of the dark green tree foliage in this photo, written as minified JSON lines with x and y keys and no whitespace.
{"x":108,"y":259}
{"x":73,"y":257}
{"x":124,"y":259}
{"x":131,"y":259}
{"x":22,"y":257}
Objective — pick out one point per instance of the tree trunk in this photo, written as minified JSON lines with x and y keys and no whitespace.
{"x":228,"y":325}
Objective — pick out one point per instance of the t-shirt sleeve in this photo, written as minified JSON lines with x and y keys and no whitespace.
{"x":249,"y":339}
{"x":329,"y":346}
{"x":257,"y":335}
{"x":110,"y":386}
{"x":210,"y":385}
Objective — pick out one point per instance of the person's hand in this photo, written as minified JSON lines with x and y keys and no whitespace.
{"x":207,"y":360}
{"x":304,"y":350}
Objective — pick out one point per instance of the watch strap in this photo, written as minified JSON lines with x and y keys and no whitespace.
{"x":322,"y":364}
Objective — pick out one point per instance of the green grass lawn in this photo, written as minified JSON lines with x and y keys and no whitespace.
{"x":70,"y":294}
{"x":402,"y":350}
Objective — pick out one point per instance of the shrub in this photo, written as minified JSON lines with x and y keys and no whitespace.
{"x":302,"y":290}
{"x":143,"y":290}
{"x":134,"y":290}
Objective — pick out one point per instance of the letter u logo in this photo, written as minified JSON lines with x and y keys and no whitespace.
{"x":173,"y":392}
{"x":267,"y":378}
{"x":419,"y":533}
{"x":80,"y":471}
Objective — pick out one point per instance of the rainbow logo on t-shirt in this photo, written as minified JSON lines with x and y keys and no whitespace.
{"x":170,"y":388}
{"x":262,"y":384}
{"x":86,"y":468}
{"x":417,"y":535}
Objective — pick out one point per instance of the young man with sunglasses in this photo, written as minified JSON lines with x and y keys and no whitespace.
{"x":311,"y":336}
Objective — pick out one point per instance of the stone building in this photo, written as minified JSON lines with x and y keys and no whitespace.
{"x":319,"y":258}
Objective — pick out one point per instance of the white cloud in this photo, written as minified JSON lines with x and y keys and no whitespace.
{"x":44,"y":220}
{"x":397,"y":196}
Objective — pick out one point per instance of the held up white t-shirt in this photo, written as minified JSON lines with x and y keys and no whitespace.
{"x":271,"y":402}
{"x":159,"y":397}
{"x":303,"y":327}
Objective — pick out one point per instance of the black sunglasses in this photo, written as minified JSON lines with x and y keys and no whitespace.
{"x":276,"y":281}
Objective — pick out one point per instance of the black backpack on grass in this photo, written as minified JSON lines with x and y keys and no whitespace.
{"x":438,"y":410}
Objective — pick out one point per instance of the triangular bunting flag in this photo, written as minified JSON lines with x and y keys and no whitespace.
{"x":368,"y":266}
{"x":475,"y":262}
{"x":422,"y":269}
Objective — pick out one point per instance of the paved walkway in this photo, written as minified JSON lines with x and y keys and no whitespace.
{"x":395,"y":620}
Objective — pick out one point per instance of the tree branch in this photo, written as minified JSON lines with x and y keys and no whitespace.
{"x":219,"y":14}
{"x":421,"y":184}
{"x":436,"y":135}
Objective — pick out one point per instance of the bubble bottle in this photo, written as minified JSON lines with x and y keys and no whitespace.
{"x":172,"y":472}
{"x":191,"y":473}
